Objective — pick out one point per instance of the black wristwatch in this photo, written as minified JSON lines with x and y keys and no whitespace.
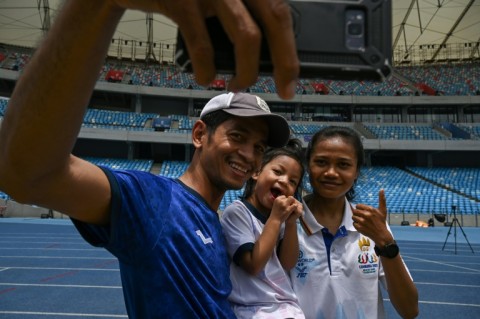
{"x":389,"y":250}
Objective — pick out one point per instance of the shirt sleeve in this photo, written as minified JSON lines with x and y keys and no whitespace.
{"x":137,"y":198}
{"x":99,"y":236}
{"x":238,"y":228}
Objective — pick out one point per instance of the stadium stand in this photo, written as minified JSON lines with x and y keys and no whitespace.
{"x":453,"y":80}
{"x":304,"y":131}
{"x":409,"y":193}
{"x":464,"y":180}
{"x":173,"y":169}
{"x":473,"y":129}
{"x":460,"y":79}
{"x":439,"y":79}
{"x":117,"y":119}
{"x":114,"y":163}
{"x":405,"y":192}
{"x":122,"y":164}
{"x":405,"y":132}
{"x":416,"y":185}
{"x":3,"y":105}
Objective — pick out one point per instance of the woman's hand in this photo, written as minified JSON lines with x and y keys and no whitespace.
{"x":372,"y":222}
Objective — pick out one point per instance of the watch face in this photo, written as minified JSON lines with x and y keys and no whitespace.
{"x":391,"y":250}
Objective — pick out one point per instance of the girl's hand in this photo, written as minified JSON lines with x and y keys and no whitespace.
{"x":286,"y":209}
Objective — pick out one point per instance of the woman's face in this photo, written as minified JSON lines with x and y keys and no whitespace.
{"x":332,"y":167}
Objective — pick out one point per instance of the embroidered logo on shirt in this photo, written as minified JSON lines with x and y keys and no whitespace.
{"x":368,"y":262}
{"x":203,"y":238}
{"x":302,"y":265}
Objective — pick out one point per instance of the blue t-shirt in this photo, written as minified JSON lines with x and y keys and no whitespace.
{"x":170,"y":247}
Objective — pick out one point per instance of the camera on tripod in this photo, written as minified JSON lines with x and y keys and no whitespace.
{"x":454,"y":223}
{"x":449,"y":223}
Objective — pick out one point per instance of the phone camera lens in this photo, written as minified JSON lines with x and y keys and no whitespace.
{"x":355,"y":29}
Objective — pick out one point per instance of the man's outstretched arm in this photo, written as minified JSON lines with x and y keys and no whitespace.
{"x":46,"y":110}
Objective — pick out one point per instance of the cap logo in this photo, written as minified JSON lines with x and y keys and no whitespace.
{"x":262,"y":104}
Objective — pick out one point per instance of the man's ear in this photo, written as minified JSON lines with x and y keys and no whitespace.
{"x":199,"y":133}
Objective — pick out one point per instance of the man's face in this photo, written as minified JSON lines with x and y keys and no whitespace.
{"x":233,"y":152}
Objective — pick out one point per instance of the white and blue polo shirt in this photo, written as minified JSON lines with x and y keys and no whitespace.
{"x":337,"y":275}
{"x":269,"y":294}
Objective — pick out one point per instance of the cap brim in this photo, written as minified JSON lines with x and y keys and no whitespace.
{"x":278,"y":128}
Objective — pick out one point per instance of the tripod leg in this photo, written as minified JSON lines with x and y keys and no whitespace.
{"x":454,"y":222}
{"x":465,"y":236}
{"x":448,"y":234}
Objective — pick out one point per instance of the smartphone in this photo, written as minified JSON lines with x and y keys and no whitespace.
{"x":343,"y":40}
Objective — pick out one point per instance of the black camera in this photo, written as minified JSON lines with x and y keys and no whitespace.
{"x":344,"y":40}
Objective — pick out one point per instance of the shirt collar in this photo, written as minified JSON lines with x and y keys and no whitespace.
{"x":310,"y":224}
{"x":193,"y":192}
{"x":254,"y":211}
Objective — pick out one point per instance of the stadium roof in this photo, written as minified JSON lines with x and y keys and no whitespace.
{"x":421,"y":29}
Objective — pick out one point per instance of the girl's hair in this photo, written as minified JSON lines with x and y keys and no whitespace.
{"x":348,"y":135}
{"x":293,"y":149}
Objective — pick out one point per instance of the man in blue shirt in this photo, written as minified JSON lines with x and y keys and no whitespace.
{"x":164,"y":232}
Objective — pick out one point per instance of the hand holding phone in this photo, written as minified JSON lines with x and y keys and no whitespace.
{"x":345,"y":40}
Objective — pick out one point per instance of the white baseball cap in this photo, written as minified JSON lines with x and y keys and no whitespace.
{"x":248,"y":105}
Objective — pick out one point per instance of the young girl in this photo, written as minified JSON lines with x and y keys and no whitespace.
{"x":261,"y":236}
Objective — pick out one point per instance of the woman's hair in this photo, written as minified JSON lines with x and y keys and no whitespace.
{"x":348,"y":135}
{"x":293,"y":149}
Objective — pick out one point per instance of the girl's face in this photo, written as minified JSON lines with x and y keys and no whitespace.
{"x":332,"y":168}
{"x":280,"y":176}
